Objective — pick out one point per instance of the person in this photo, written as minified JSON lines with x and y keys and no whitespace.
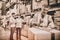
{"x":12,"y":23}
{"x":32,"y":21}
{"x":37,"y":17}
{"x":46,"y":20}
{"x":27,"y":19}
{"x":28,"y":8}
{"x":8,"y":5}
{"x":19,"y":25}
{"x":21,"y":8}
{"x":4,"y":22}
{"x":56,"y":20}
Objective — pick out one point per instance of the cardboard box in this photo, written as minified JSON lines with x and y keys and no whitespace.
{"x":37,"y":34}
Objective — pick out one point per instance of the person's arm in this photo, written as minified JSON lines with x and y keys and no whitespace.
{"x":51,"y":23}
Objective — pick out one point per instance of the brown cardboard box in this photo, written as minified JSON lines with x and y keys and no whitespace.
{"x":37,"y":34}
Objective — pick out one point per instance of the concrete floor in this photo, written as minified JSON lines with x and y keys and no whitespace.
{"x":5,"y":35}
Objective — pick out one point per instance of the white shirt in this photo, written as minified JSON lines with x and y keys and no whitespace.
{"x":37,"y":17}
{"x":13,"y":10}
{"x":27,"y":19}
{"x":12,"y":22}
{"x":44,"y":21}
{"x":19,"y":22}
{"x":47,"y":19}
{"x":32,"y":21}
{"x":51,"y":25}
